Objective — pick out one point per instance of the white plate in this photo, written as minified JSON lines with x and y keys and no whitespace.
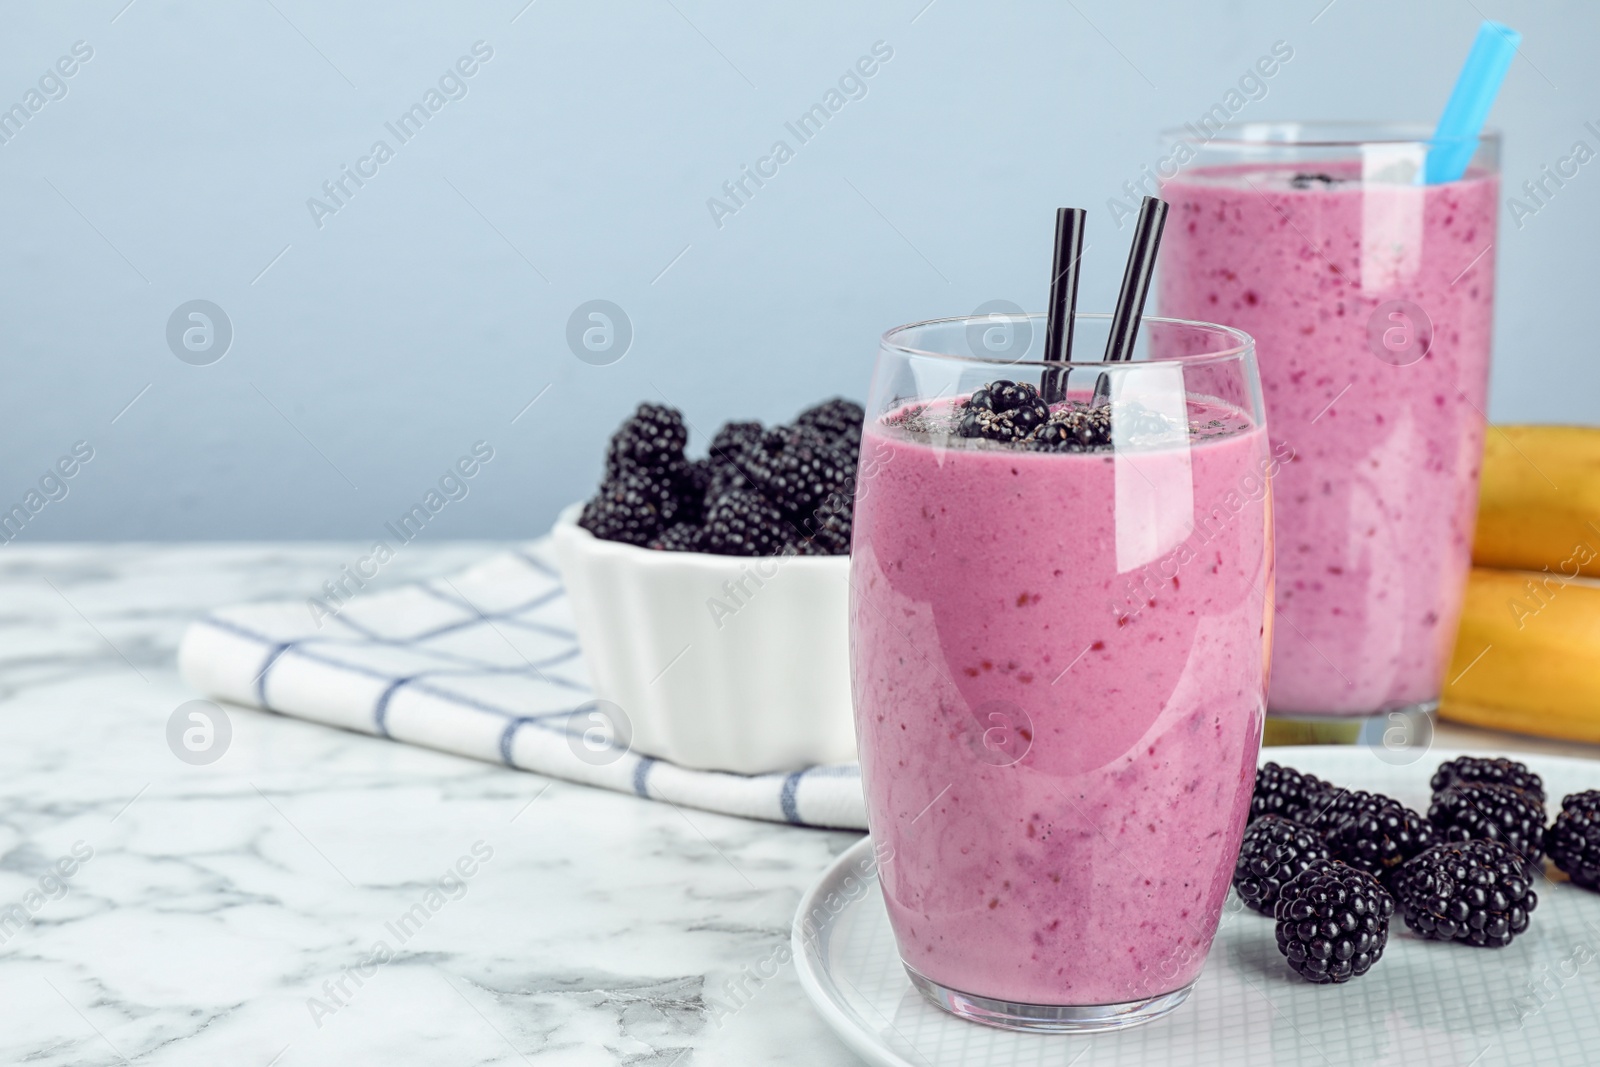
{"x":1425,"y":1002}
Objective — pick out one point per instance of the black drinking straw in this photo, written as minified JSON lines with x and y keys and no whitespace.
{"x":1135,"y":287}
{"x":1063,"y":300}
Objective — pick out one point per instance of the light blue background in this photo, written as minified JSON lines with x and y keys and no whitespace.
{"x":378,"y":348}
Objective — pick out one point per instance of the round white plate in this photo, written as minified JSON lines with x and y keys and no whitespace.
{"x":1425,"y":1002}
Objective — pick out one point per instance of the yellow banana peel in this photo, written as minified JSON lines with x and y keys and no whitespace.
{"x":1527,"y":654}
{"x":1539,"y":500}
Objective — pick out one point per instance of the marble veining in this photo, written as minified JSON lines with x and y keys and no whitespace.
{"x":303,"y":900}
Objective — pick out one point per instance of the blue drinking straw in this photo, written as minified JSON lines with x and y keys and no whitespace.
{"x":1456,"y":138}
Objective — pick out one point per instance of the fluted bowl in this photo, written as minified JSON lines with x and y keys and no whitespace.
{"x":726,"y":663}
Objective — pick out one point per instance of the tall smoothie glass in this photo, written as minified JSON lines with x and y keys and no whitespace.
{"x":1371,"y":299}
{"x":1059,"y":650}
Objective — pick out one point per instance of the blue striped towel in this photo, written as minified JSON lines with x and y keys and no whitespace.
{"x":484,"y":664}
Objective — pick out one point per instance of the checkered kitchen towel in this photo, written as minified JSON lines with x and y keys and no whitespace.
{"x":485,"y":664}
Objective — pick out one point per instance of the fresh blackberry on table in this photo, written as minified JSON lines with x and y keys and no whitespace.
{"x":1490,"y":812}
{"x":1473,"y":891}
{"x":796,"y":468}
{"x":1376,"y":834}
{"x":1275,"y":849}
{"x":1499,"y":770}
{"x":681,"y":537}
{"x":744,"y":523}
{"x":633,"y":507}
{"x":1003,"y":411}
{"x":1573,"y":840}
{"x":652,"y":438}
{"x":1330,"y":811}
{"x":1073,"y":428}
{"x":834,"y":418}
{"x":1337,"y":806}
{"x":1287,"y":792}
{"x":1333,"y":922}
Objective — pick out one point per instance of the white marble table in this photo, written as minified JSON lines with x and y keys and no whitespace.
{"x":227,"y":911}
{"x":219,"y":900}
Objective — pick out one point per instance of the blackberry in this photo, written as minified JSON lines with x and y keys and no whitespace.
{"x":828,"y":526}
{"x":693,"y":483}
{"x":796,"y":468}
{"x":1500,"y":770}
{"x":1003,"y":395}
{"x":1473,"y":891}
{"x":834,"y":418}
{"x":652,"y":438}
{"x":1073,"y":428}
{"x":1275,"y":849}
{"x":1490,"y":812}
{"x":725,"y":478}
{"x":1329,"y":811}
{"x":733,"y":442}
{"x":1285,"y":791}
{"x":681,"y":537}
{"x":1333,"y":922}
{"x":1376,"y":834}
{"x":633,"y":507}
{"x":727,"y":458}
{"x":1003,"y":411}
{"x":744,"y":523}
{"x":1573,"y":840}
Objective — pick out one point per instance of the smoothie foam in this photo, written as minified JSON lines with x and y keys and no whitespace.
{"x":1375,"y":511}
{"x":1058,"y":716}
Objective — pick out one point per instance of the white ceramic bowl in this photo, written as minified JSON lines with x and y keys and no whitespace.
{"x":722,"y":663}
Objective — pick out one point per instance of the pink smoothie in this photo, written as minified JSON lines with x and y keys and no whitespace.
{"x":1059,"y":667}
{"x":1375,"y":511}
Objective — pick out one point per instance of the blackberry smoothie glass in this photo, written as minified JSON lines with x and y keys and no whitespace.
{"x":1371,"y":299}
{"x":1059,"y":651}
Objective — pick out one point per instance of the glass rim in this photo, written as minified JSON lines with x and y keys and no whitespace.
{"x":1243,"y":343}
{"x":1321,"y":133}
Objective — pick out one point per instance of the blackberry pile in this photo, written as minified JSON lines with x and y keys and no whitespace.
{"x":784,"y":490}
{"x":1332,"y":864}
{"x":1015,"y":413}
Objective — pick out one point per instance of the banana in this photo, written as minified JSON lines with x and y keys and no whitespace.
{"x":1539,"y":500}
{"x":1527,"y":651}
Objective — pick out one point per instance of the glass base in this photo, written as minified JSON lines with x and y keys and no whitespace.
{"x":1048,"y":1018}
{"x":1397,"y":728}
